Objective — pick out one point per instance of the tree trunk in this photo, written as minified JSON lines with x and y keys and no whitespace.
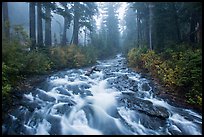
{"x":32,"y":25}
{"x":178,"y":35}
{"x":150,"y":26}
{"x":138,"y":30}
{"x":40,"y":30}
{"x":192,"y":28}
{"x":85,"y":36}
{"x":64,"y":38}
{"x":48,"y":40}
{"x":200,"y":32}
{"x":76,"y":24}
{"x":6,"y":25}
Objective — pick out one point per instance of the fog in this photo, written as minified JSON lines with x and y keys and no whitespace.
{"x":19,"y":15}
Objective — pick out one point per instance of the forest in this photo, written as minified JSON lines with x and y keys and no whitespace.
{"x":160,"y":40}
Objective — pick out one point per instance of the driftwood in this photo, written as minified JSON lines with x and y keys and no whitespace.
{"x":90,"y":71}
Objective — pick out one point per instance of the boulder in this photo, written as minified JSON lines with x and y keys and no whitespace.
{"x":144,"y":106}
{"x":124,"y":83}
{"x":43,"y":96}
{"x":145,"y":87}
{"x":63,"y":91}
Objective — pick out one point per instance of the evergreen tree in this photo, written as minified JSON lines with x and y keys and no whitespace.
{"x":32,"y":24}
{"x":6,"y":26}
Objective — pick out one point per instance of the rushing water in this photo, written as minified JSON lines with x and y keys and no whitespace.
{"x":114,"y":100}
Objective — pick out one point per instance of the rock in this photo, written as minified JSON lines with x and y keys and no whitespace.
{"x":84,"y":86}
{"x":55,"y":125}
{"x":31,"y":105}
{"x":124,"y":83}
{"x":43,"y":96}
{"x":65,"y":99}
{"x":145,"y":87}
{"x":73,"y":88}
{"x":86,"y":93}
{"x":174,"y":130}
{"x":149,"y":122}
{"x":62,"y":109}
{"x":144,"y":106}
{"x":63,"y":91}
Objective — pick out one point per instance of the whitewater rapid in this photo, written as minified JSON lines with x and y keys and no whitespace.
{"x":112,"y":101}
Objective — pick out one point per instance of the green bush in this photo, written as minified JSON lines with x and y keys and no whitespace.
{"x":71,"y":56}
{"x":178,"y":69}
{"x":6,"y":86}
{"x":36,"y":63}
{"x":134,"y":56}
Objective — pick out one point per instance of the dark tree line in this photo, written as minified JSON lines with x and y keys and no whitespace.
{"x":157,"y":24}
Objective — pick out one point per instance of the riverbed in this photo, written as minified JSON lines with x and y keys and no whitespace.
{"x":113,"y":100}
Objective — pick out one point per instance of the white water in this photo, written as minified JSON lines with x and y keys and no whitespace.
{"x":65,"y":110}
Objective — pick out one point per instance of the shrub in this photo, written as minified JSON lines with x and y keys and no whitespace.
{"x":6,"y":86}
{"x":179,"y":69}
{"x":134,"y":56}
{"x":36,"y":62}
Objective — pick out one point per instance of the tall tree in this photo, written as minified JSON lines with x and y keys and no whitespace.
{"x":130,"y":31}
{"x":65,"y":12}
{"x":83,"y":13}
{"x":48,"y":38}
{"x":150,"y":25}
{"x":48,"y":6}
{"x":32,"y":24}
{"x":76,"y":23}
{"x":39,"y":24}
{"x":112,"y":23}
{"x":6,"y":26}
{"x":142,"y":19}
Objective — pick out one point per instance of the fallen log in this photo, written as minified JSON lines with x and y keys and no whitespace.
{"x":90,"y":71}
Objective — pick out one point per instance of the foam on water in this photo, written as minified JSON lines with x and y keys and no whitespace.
{"x":99,"y":113}
{"x":157,"y":102}
{"x":29,"y":96}
{"x":43,"y":128}
{"x":187,"y":126}
{"x":77,"y":125}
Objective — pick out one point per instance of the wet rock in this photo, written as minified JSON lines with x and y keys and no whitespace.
{"x":86,"y":93}
{"x":31,"y":106}
{"x":108,"y":75}
{"x":145,"y":87}
{"x":174,"y":130}
{"x":123,"y":83}
{"x":123,"y":77}
{"x":144,"y":106}
{"x":153,"y":123}
{"x":64,"y":99}
{"x":43,"y":96}
{"x":55,"y":125}
{"x":62,"y":109}
{"x":74,"y":88}
{"x":128,"y":93}
{"x":83,"y":78}
{"x":63,"y":91}
{"x":84,"y":86}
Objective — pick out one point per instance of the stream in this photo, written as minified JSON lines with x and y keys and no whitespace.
{"x":114,"y":100}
